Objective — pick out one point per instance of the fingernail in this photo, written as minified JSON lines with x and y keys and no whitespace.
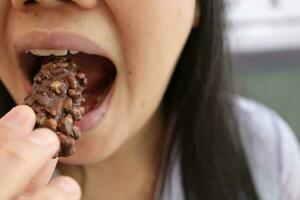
{"x":17,"y":116}
{"x":44,"y":138}
{"x":69,"y":186}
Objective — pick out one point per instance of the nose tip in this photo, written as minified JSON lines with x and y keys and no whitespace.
{"x":84,"y":4}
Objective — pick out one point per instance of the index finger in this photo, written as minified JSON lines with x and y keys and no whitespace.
{"x":18,"y":122}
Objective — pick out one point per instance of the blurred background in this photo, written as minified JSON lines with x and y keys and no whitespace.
{"x":264,"y":37}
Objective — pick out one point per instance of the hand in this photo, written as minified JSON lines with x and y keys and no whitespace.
{"x":26,"y":163}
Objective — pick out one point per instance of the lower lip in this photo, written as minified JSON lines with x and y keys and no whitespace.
{"x":94,"y":117}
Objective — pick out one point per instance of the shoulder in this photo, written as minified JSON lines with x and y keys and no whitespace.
{"x":272,"y":150}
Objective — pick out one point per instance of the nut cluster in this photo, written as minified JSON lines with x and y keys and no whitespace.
{"x":56,"y":97}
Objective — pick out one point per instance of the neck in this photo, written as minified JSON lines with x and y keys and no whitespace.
{"x":129,"y":173}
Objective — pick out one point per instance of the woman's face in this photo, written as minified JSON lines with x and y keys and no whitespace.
{"x":143,"y":38}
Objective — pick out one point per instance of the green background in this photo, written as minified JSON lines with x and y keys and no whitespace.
{"x":276,"y":87}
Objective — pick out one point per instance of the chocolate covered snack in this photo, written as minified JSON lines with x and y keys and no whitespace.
{"x":56,"y":97}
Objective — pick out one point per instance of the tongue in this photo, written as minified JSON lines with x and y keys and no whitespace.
{"x":99,"y":71}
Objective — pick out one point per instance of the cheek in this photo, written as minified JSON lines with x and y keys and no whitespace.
{"x":3,"y":14}
{"x":9,"y":74}
{"x":153,"y":33}
{"x":152,"y":29}
{"x":13,"y":79}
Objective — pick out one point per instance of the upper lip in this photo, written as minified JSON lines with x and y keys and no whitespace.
{"x":59,"y":40}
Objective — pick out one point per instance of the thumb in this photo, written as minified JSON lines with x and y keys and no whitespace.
{"x":18,"y":122}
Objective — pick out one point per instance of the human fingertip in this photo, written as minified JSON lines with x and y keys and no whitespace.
{"x":45,"y":138}
{"x":69,"y":185}
{"x":30,"y":112}
{"x":19,"y":115}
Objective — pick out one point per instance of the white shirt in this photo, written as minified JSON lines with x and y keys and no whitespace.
{"x":272,"y":151}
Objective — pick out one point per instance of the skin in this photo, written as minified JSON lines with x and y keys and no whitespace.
{"x":144,"y":39}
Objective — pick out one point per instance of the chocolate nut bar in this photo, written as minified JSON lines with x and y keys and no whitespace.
{"x":56,"y":98}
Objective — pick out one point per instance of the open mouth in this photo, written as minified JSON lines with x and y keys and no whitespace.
{"x":100,"y":71}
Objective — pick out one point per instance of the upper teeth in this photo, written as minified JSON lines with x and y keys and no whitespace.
{"x":49,"y":52}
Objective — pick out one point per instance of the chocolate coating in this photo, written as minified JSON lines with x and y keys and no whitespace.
{"x":56,"y":97}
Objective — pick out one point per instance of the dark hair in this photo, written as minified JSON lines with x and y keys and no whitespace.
{"x":199,"y":110}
